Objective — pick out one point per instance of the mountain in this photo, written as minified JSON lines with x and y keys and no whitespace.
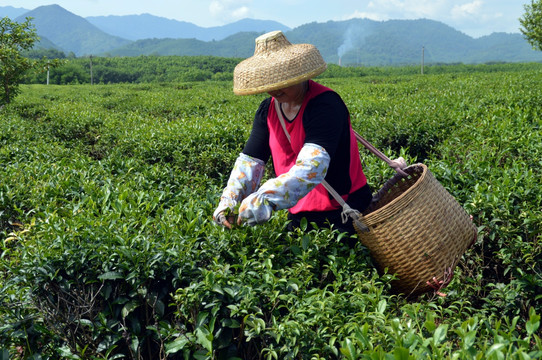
{"x":146,"y":26}
{"x":45,"y":43}
{"x":362,"y":41}
{"x":356,"y":41}
{"x":71,"y":32}
{"x":11,"y":12}
{"x":398,"y":42}
{"x":237,"y":45}
{"x":245,"y":25}
{"x":138,"y":27}
{"x":514,"y":46}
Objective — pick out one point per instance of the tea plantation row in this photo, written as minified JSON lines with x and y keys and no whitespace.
{"x":108,"y":249}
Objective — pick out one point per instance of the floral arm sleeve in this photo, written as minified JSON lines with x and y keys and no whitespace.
{"x":244,"y":179}
{"x":286,"y":190}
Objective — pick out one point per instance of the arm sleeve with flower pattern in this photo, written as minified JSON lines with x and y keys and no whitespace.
{"x":286,"y":190}
{"x":244,"y":179}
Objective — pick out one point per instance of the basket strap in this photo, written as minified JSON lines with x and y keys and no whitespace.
{"x":347,"y":210}
{"x":354,"y":214}
{"x":378,"y":153}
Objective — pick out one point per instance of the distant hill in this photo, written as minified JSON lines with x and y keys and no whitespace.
{"x":238,"y":45}
{"x":11,"y":12}
{"x":398,"y":42}
{"x":146,"y":26}
{"x":45,"y":43}
{"x":138,"y":27}
{"x":362,"y":41}
{"x":514,"y":46}
{"x":71,"y":32}
{"x":356,"y":41}
{"x":245,"y":25}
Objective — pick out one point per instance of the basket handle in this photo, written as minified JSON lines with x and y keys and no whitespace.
{"x":379,"y":153}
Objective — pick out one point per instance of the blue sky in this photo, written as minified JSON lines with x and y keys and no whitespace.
{"x":473,"y":17}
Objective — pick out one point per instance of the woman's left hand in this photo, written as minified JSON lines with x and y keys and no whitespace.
{"x":399,"y":163}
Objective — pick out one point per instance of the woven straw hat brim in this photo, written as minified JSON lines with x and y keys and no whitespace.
{"x":277,"y":70}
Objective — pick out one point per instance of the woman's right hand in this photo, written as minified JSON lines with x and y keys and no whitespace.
{"x":224,"y":214}
{"x":223,"y":220}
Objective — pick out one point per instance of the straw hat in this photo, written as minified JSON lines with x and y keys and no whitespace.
{"x":276,"y":64}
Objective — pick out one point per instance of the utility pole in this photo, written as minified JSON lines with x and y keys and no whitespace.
{"x":91,"y":78}
{"x":423,"y":56}
{"x":357,"y":58}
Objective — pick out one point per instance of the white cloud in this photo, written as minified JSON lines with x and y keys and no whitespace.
{"x":467,"y":10}
{"x":381,"y":10}
{"x":475,"y":17}
{"x":366,"y":15}
{"x":407,"y":9}
{"x":241,"y":12}
{"x":229,"y":10}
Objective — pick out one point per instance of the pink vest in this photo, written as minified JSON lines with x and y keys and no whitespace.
{"x":285,"y":154}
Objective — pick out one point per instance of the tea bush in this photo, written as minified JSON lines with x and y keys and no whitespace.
{"x":109,"y":250}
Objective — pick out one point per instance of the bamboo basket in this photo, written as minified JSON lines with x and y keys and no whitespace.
{"x":416,"y":230}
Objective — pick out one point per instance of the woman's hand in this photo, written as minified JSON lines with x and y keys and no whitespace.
{"x":399,"y":163}
{"x":223,"y":220}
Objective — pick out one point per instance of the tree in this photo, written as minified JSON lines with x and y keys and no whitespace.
{"x":45,"y":53}
{"x":531,"y":23}
{"x":14,"y":38}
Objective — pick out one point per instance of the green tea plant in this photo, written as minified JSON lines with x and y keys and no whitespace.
{"x":108,"y":249}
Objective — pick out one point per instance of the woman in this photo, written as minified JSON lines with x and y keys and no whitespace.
{"x":313,"y":142}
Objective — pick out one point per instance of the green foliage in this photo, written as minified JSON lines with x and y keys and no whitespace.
{"x":143,"y":69}
{"x":531,"y":23}
{"x":160,"y":69}
{"x":45,"y":53}
{"x":14,"y":39}
{"x":108,"y":249}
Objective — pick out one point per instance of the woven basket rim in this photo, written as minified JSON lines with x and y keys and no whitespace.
{"x":366,"y":218}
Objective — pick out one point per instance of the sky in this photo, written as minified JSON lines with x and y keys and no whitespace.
{"x":472,"y":17}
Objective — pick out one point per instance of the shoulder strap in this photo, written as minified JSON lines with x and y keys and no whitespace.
{"x":347,"y":210}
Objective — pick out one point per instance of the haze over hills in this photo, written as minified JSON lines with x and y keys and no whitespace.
{"x":355,"y":41}
{"x":146,"y":26}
